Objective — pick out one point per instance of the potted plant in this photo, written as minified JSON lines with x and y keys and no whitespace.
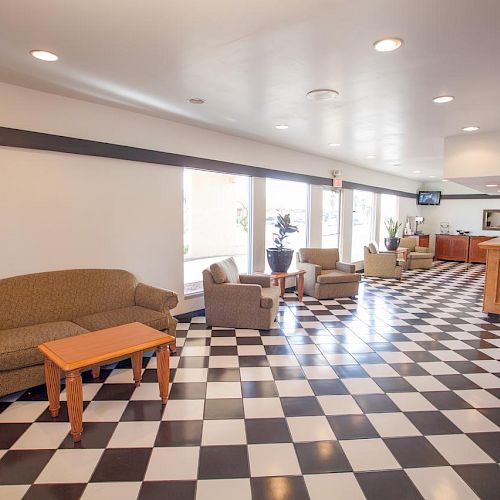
{"x":392,"y":241}
{"x":279,"y":257}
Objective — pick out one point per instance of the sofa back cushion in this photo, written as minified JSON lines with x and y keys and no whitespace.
{"x":326,"y":258}
{"x":409,"y":242}
{"x":225,"y":271}
{"x":63,"y":295}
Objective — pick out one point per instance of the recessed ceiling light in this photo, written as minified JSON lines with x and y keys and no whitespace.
{"x":443,"y":99}
{"x":432,"y":176}
{"x":491,"y":185}
{"x":417,"y":172}
{"x":322,"y":94}
{"x":471,"y":128}
{"x":370,"y":157}
{"x":334,"y":144}
{"x":196,"y":100}
{"x":281,"y":127}
{"x":387,"y":44}
{"x":444,"y":180}
{"x":44,"y":55}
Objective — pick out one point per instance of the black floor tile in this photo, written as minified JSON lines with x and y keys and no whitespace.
{"x":95,"y":435}
{"x":223,"y":408}
{"x":311,"y":360}
{"x":193,"y":361}
{"x":446,"y":400}
{"x":67,"y":491}
{"x":287,"y":373}
{"x":188,"y":390}
{"x":493,"y":414}
{"x":223,"y":462}
{"x":179,"y":433}
{"x":376,"y":403}
{"x":143,"y":410}
{"x":279,"y":488}
{"x":350,"y":371}
{"x":409,"y":369}
{"x":115,"y":392}
{"x":10,"y":433}
{"x":224,"y":350}
{"x":301,"y":406}
{"x":488,"y":443}
{"x":321,"y":457}
{"x":171,"y":490}
{"x":352,"y":427}
{"x":394,"y":384}
{"x":432,"y":422}
{"x":223,"y":375}
{"x":323,"y":387}
{"x":253,"y":361}
{"x":414,"y":452}
{"x":484,"y":479}
{"x":267,"y":430}
{"x":116,"y":465}
{"x":266,"y":389}
{"x":23,"y":466}
{"x":388,"y":485}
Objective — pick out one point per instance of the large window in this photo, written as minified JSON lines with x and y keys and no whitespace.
{"x":216,"y":223}
{"x":287,"y":197}
{"x":330,"y":224}
{"x":388,"y":209}
{"x":362,"y":222}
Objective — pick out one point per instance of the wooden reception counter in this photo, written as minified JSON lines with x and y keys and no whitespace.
{"x":491,"y":302}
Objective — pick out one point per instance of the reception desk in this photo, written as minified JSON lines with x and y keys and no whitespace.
{"x":491,"y":302}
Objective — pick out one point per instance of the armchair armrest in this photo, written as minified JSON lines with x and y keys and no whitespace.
{"x":228,"y":294}
{"x":155,"y":298}
{"x":311,"y":269}
{"x":422,"y":249}
{"x":256,"y":279}
{"x":346,"y":268}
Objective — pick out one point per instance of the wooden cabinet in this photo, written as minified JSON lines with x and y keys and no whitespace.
{"x":477,"y":253}
{"x":423,"y":240}
{"x":452,"y":247}
{"x":491,"y":303}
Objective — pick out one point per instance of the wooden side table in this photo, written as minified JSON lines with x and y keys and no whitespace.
{"x":72,"y":354}
{"x":279,"y":279}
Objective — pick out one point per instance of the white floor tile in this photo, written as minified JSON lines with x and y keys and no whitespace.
{"x":411,"y":401}
{"x":470,"y":421}
{"x":338,"y":486}
{"x":257,"y":373}
{"x":425,"y":383}
{"x":362,"y":386}
{"x":262,"y":408}
{"x":310,"y":429}
{"x":393,"y":425}
{"x":14,"y":491}
{"x":369,"y":454}
{"x":294,"y":388}
{"x":479,"y":398}
{"x":438,"y":368}
{"x":395,"y":357}
{"x":104,"y":411}
{"x":224,"y":488}
{"x":23,"y":411}
{"x":274,"y":459}
{"x":484,"y":380}
{"x":223,"y":432}
{"x":223,"y":362}
{"x":176,"y":463}
{"x":70,"y":466}
{"x":184,"y":409}
{"x":339,"y":405}
{"x":191,"y":375}
{"x":340,"y":359}
{"x":134,"y":435}
{"x":380,"y":370}
{"x":117,"y":490}
{"x":459,"y":449}
{"x":42,"y":436}
{"x":319,"y":372}
{"x":222,"y":390}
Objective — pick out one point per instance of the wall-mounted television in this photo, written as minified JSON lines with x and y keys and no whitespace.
{"x":429,"y":197}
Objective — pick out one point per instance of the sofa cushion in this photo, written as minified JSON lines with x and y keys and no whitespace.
{"x":225,"y":271}
{"x":122,"y":316}
{"x":269,"y":296}
{"x":18,"y":346}
{"x":420,"y":255}
{"x":373,"y":247}
{"x":335,"y":276}
{"x":326,"y":258}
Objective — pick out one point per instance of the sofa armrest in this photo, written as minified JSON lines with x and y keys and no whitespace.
{"x":422,"y":249}
{"x":345,"y":267}
{"x":236,"y":294}
{"x":155,"y":298}
{"x":256,"y":279}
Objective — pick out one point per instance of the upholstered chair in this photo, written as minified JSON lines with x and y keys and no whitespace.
{"x":326,"y":277}
{"x":381,"y":264}
{"x":237,"y":300}
{"x":417,"y":257}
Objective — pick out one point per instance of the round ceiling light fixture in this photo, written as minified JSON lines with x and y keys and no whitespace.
{"x":281,"y":126}
{"x":387,"y":44}
{"x":196,"y":100}
{"x":334,"y":144}
{"x":417,"y":172}
{"x":471,"y":128}
{"x":44,"y":55}
{"x":432,"y":176}
{"x":370,"y":157}
{"x":443,"y":99}
{"x":491,"y":185}
{"x":444,"y":180}
{"x":322,"y":94}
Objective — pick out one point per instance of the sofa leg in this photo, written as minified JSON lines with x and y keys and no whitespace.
{"x":173,"y":347}
{"x":96,"y":372}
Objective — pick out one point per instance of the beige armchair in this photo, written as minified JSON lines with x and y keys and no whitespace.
{"x":417,"y":257}
{"x":236,"y":300}
{"x":326,"y":277}
{"x":382,"y":264}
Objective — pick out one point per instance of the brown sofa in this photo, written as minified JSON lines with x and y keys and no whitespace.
{"x":36,"y":308}
{"x":239,"y":300}
{"x":326,"y":277}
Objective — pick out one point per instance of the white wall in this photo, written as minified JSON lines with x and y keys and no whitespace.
{"x":61,"y":211}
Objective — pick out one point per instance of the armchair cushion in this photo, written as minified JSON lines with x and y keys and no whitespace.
{"x":409,"y":242}
{"x":256,"y":279}
{"x":335,"y":276}
{"x":225,"y":271}
{"x":326,"y":258}
{"x":269,"y":297}
{"x":422,"y":249}
{"x":346,"y":268}
{"x":420,"y":255}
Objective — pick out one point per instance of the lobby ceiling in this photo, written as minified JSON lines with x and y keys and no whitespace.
{"x":253,"y":62}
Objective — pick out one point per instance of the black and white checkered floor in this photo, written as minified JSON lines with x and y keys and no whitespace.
{"x":393,"y":396}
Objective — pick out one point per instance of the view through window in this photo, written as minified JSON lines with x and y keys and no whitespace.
{"x":362,"y":222}
{"x":388,"y":209}
{"x":287,"y":197}
{"x":330,"y":227}
{"x":216,"y":223}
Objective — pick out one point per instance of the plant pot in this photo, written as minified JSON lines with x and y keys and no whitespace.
{"x":392,"y":244}
{"x":279,"y":260}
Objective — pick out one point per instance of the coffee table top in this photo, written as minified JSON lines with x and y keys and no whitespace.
{"x":87,"y":349}
{"x":290,"y":272}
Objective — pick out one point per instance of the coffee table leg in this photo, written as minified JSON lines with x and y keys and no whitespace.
{"x":282,"y":285}
{"x":74,"y":389}
{"x":137,"y":367}
{"x":163,"y":370}
{"x":300,"y":286}
{"x":53,"y":383}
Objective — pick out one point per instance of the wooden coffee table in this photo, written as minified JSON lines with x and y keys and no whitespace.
{"x":89,"y":350}
{"x":298,"y":274}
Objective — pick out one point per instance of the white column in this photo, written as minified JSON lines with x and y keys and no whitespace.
{"x":259,"y":224}
{"x":315,"y":216}
{"x":346,"y":225}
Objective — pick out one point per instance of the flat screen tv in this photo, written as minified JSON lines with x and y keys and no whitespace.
{"x":429,"y":197}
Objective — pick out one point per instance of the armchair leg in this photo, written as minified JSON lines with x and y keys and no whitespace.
{"x":173,"y":347}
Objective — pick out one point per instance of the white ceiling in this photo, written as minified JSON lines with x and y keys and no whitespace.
{"x":254,"y":61}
